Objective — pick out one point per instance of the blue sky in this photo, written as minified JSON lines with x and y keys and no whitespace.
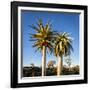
{"x":61,"y":22}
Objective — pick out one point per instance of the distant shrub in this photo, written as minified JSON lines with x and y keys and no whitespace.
{"x":70,"y":71}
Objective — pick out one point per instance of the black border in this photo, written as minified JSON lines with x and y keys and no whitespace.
{"x":14,"y":43}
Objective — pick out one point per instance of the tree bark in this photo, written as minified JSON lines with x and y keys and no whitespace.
{"x":59,"y":66}
{"x":44,"y":61}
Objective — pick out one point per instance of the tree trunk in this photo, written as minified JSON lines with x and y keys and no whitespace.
{"x":59,"y":66}
{"x":44,"y":61}
{"x":33,"y":71}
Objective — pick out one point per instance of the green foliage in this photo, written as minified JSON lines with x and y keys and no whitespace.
{"x":70,"y":71}
{"x":31,"y":72}
{"x":43,"y":36}
{"x":63,"y":45}
{"x":51,"y":71}
{"x":36,"y":71}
